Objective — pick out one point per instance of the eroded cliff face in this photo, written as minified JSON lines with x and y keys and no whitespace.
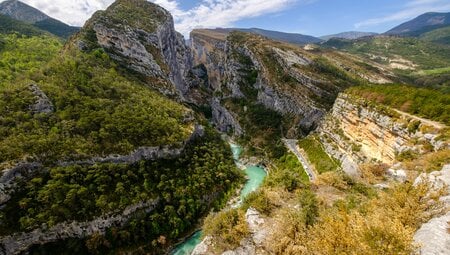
{"x":235,"y":70}
{"x":357,"y":132}
{"x":149,"y":46}
{"x":296,"y":82}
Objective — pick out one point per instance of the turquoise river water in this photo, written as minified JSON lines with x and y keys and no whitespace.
{"x":255,"y":176}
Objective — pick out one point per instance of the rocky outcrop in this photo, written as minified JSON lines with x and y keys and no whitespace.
{"x":224,"y":120}
{"x":433,"y":236}
{"x":356,"y":132}
{"x":155,"y":50}
{"x":229,"y":64}
{"x":20,"y":242}
{"x":251,"y":245}
{"x":9,"y":177}
{"x":43,"y":103}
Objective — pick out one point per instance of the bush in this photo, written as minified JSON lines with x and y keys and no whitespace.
{"x":227,"y":227}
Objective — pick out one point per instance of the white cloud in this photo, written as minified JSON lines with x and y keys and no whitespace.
{"x":223,"y":13}
{"x":409,"y":11}
{"x":207,"y":14}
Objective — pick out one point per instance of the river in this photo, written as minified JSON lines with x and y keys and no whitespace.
{"x":255,"y":177}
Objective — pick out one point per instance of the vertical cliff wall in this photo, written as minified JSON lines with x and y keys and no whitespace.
{"x":356,"y":132}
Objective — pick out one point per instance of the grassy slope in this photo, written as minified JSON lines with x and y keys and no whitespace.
{"x":424,"y":55}
{"x":441,"y":35}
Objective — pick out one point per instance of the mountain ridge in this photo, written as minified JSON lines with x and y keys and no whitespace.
{"x":28,"y":14}
{"x":293,"y":38}
{"x":421,"y":24}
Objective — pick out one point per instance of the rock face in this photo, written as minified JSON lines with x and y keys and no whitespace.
{"x":43,"y":103}
{"x":229,"y":63}
{"x":356,"y":133}
{"x":9,"y":177}
{"x":20,"y":242}
{"x":248,"y":246}
{"x":224,"y":120}
{"x":434,"y":236}
{"x":146,"y":43}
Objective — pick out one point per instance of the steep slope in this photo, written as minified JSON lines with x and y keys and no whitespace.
{"x":251,"y":77}
{"x":440,"y":35}
{"x":348,"y":35}
{"x":23,"y":12}
{"x":422,"y":24}
{"x":142,"y":39}
{"x":9,"y":25}
{"x":92,"y":159}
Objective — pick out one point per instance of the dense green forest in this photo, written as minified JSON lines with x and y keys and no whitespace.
{"x":96,"y":110}
{"x":428,"y":103}
{"x":99,"y":109}
{"x":187,"y":187}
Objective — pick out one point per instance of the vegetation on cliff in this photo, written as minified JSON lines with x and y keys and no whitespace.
{"x":427,"y":103}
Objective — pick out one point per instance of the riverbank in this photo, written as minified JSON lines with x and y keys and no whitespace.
{"x":255,"y":177}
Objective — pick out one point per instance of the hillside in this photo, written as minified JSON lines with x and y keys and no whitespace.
{"x":84,"y":133}
{"x":9,"y":25}
{"x":440,"y":35}
{"x":124,"y":139}
{"x":413,"y":60}
{"x":348,"y":35}
{"x":274,"y":35}
{"x":25,"y":13}
{"x":422,"y":24}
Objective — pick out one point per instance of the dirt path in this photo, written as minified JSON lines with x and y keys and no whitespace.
{"x":426,"y":121}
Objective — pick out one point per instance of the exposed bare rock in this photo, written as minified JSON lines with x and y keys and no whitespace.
{"x":9,"y":177}
{"x":224,"y":120}
{"x":17,"y":243}
{"x":154,"y":50}
{"x":434,"y":236}
{"x":43,"y":103}
{"x":355,"y":133}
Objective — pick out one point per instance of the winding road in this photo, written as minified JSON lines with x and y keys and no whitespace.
{"x":291,"y":144}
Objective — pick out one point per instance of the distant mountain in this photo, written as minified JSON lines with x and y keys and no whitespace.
{"x":10,"y":25}
{"x":439,"y":35}
{"x":274,"y":35}
{"x":23,"y":12}
{"x":348,"y":35}
{"x":422,"y":24}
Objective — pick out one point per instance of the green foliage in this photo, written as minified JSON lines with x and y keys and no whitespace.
{"x":317,"y":156}
{"x":24,"y":56}
{"x":228,"y":227}
{"x":310,"y":209}
{"x":263,"y":127}
{"x":97,"y":111}
{"x":440,"y":35}
{"x":56,"y":27}
{"x":422,"y":55}
{"x":425,"y":54}
{"x":9,"y":26}
{"x":260,"y":201}
{"x":287,"y":173}
{"x":84,"y":192}
{"x":427,"y":103}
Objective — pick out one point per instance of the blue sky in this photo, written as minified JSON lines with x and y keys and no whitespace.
{"x":313,"y":17}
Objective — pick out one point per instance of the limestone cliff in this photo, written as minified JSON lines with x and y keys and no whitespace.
{"x":145,"y":42}
{"x":356,"y":132}
{"x":288,"y":79}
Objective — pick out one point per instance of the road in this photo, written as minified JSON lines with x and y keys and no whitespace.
{"x":426,"y":121}
{"x":291,"y":144}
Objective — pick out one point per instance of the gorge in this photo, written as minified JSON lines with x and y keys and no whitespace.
{"x":113,"y":141}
